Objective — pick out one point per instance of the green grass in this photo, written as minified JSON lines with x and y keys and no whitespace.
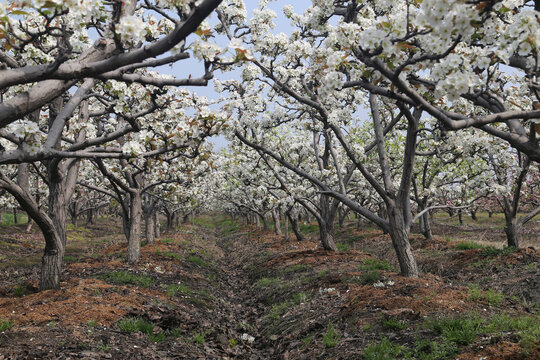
{"x":309,"y":228}
{"x":468,"y":245}
{"x":459,"y":330}
{"x":394,"y":324}
{"x":228,"y":226}
{"x":342,"y":247}
{"x":197,"y":260}
{"x":490,"y":297}
{"x":19,"y":290}
{"x":168,"y":254}
{"x":133,"y":325}
{"x":268,"y":282}
{"x":125,"y":278}
{"x":308,"y":340}
{"x":92,"y":323}
{"x":8,"y":219}
{"x":200,"y":338}
{"x":331,"y":337}
{"x":204,"y":221}
{"x":298,"y":268}
{"x":493,"y":251}
{"x":178,"y":290}
{"x":70,"y":258}
{"x":370,"y":264}
{"x":370,"y":277}
{"x":527,"y":329}
{"x":383,"y":350}
{"x":279,"y":309}
{"x":5,"y":325}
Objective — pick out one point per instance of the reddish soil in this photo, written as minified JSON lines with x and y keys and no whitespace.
{"x":287,"y":295}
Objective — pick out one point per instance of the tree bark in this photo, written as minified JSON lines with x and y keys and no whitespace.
{"x":295,"y":227}
{"x":512,"y":230}
{"x":157,"y":225}
{"x":51,"y":265}
{"x":327,"y":238}
{"x":277,"y":223}
{"x":286,"y":226}
{"x":266,"y":225}
{"x":399,"y":232}
{"x":135,"y":214}
{"x":150,"y":228}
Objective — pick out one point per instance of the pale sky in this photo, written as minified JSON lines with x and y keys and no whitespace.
{"x":193,"y":67}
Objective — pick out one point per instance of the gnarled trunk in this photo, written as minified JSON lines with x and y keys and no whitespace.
{"x":327,"y":238}
{"x":295,"y":227}
{"x":266,"y":225}
{"x":511,"y":228}
{"x":277,"y":223}
{"x":399,"y":232}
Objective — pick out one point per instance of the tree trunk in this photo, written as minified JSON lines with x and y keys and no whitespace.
{"x":427,"y":227}
{"x":425,"y":222}
{"x":58,"y":207}
{"x":149,"y":228}
{"x":359,"y":223}
{"x":511,"y":229}
{"x":29,"y":225}
{"x":460,"y":217}
{"x":399,"y":232}
{"x":473,"y":214}
{"x":295,"y":228}
{"x":15,"y":218}
{"x":135,"y":212}
{"x":490,"y":213}
{"x":169,"y":221}
{"x":327,"y":238}
{"x":277,"y":223}
{"x":257,"y":220}
{"x":266,"y":225}
{"x":286,"y":225}
{"x":157,"y":225}
{"x":51,"y":265}
{"x":342,"y":216}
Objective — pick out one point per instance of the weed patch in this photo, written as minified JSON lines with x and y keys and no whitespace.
{"x":126,"y":278}
{"x":383,"y":350}
{"x":490,"y":297}
{"x":394,"y":324}
{"x":493,"y":251}
{"x":457,"y":330}
{"x":375,"y":264}
{"x":370,"y":277}
{"x":468,"y":245}
{"x":197,"y":260}
{"x":343,"y":247}
{"x":331,"y":337}
{"x":5,"y":325}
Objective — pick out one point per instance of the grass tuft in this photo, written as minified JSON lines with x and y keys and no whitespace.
{"x":331,"y":337}
{"x":125,"y":278}
{"x":383,"y":350}
{"x":5,"y":325}
{"x":468,"y":245}
{"x":370,"y":264}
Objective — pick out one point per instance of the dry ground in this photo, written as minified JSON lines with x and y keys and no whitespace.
{"x":204,"y":291}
